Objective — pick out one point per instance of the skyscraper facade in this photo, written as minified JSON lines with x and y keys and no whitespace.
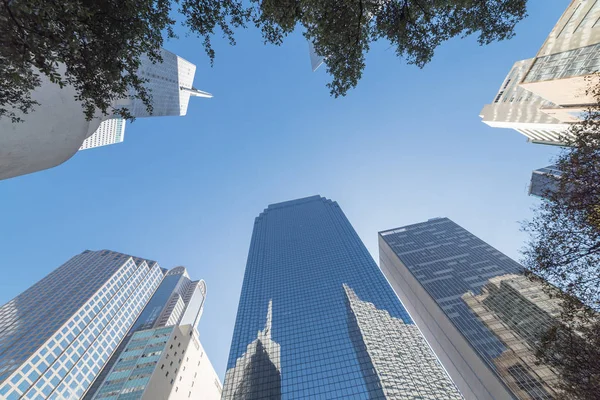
{"x":478,"y":312}
{"x":161,"y":356}
{"x":516,"y":108}
{"x":317,"y":318}
{"x":110,"y":131}
{"x":541,"y":97}
{"x":544,"y":181}
{"x":57,"y":128}
{"x":57,"y":335}
{"x":165,"y":363}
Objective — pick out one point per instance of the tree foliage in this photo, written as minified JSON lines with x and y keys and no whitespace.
{"x":564,"y":249}
{"x":342,"y":31}
{"x":100,"y":42}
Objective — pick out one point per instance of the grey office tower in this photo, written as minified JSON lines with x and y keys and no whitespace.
{"x":478,"y":312}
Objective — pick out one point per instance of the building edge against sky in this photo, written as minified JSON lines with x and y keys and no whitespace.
{"x":313,"y":314}
{"x":57,"y":128}
{"x":543,"y":96}
{"x":473,"y":305}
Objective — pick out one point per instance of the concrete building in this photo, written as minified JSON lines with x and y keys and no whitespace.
{"x":318,"y":320}
{"x":161,"y":357}
{"x":110,"y":131}
{"x":57,"y":128}
{"x":473,"y":305}
{"x":542,"y":96}
{"x":57,"y":335}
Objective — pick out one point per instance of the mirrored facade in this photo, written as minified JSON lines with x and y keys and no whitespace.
{"x":57,"y":335}
{"x":317,"y":318}
{"x":519,"y":312}
{"x":472,"y":303}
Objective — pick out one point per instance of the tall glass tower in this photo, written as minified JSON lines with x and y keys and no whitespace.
{"x":317,"y":318}
{"x":478,"y":312}
{"x":57,"y":335}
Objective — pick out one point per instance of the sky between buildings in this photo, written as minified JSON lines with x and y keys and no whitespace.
{"x":405,"y":146}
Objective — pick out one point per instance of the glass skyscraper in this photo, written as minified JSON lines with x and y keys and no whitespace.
{"x":57,"y":335}
{"x":479,"y":313}
{"x":318,"y":320}
{"x":544,"y":181}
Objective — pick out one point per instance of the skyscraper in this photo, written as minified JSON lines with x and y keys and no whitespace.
{"x":164,"y":335}
{"x":315,"y":59}
{"x":478,"y":312}
{"x":57,"y":335}
{"x":541,"y":97}
{"x":317,"y":318}
{"x":544,"y":180}
{"x":110,"y":131}
{"x":57,"y":128}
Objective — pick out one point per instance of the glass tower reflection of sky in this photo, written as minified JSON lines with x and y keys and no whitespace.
{"x":313,"y":302}
{"x":57,"y":335}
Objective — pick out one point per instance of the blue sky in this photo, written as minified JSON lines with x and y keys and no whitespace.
{"x":405,"y":146}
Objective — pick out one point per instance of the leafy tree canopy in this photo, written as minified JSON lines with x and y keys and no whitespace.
{"x":100,"y":42}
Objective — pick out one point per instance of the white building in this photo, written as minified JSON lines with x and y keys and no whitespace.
{"x":110,"y":131}
{"x":57,"y":128}
{"x":543,"y":96}
{"x":166,"y":363}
